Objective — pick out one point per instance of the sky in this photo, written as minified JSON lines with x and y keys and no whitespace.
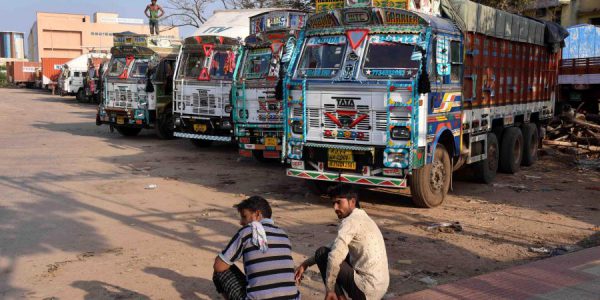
{"x":19,"y":15}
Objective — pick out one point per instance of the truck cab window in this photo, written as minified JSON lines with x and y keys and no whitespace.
{"x":322,"y":56}
{"x":455,"y":61}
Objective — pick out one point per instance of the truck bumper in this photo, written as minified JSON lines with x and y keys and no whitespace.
{"x":208,"y":137}
{"x":348,"y":178}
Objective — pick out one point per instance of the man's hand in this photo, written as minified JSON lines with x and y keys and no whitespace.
{"x":299,"y":273}
{"x":331,"y":296}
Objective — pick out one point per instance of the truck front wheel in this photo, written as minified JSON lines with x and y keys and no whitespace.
{"x":429,"y":185}
{"x":80,"y":96}
{"x":165,"y":125}
{"x":511,"y":150}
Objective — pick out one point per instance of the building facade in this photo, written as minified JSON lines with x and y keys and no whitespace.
{"x":57,"y":35}
{"x":566,"y":12}
{"x":12,"y":46}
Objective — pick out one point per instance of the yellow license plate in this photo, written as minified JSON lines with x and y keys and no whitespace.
{"x":341,"y":165}
{"x":120,"y":120}
{"x":340,"y":159}
{"x":199,"y":127}
{"x":271,"y":141}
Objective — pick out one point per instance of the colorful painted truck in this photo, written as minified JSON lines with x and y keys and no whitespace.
{"x":202,"y":105}
{"x":138,"y":85}
{"x":258,"y":82}
{"x":579,"y":74}
{"x":394,"y":98}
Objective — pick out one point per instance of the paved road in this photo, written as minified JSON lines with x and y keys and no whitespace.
{"x":77,"y":222}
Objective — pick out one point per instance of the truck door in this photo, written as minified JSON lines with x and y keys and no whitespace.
{"x":163,"y":84}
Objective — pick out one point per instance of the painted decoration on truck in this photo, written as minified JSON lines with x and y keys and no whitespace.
{"x":322,"y":21}
{"x":393,"y":17}
{"x":130,"y":40}
{"x":401,"y":4}
{"x":326,"y":5}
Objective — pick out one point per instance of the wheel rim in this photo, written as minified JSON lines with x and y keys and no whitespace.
{"x":438,"y":174}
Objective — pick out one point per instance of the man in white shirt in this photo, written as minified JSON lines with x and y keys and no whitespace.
{"x":356,"y":263}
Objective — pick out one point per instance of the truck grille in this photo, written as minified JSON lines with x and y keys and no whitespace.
{"x":122,"y":98}
{"x":205,"y":103}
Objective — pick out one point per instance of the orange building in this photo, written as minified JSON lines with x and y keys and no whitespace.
{"x":58,"y":35}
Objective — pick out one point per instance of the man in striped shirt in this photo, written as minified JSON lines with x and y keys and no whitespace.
{"x":266,"y":252}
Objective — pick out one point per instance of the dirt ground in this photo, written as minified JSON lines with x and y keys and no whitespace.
{"x":77,"y":220}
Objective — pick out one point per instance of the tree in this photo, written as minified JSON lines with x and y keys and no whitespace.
{"x":507,"y":5}
{"x":186,"y":12}
{"x":193,"y":12}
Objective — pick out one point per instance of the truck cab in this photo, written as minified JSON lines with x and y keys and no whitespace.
{"x":396,"y":97}
{"x":202,"y":106}
{"x":257,"y":89}
{"x":138,"y":85}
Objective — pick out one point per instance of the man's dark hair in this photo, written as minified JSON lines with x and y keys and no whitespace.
{"x":255,"y":203}
{"x":345,"y":190}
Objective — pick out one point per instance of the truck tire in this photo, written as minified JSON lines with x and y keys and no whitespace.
{"x":128,"y":131}
{"x":511,"y":150}
{"x":530,"y":144}
{"x":485,"y":170}
{"x":165,"y":125}
{"x":429,"y":185}
{"x":318,"y":187}
{"x":80,"y":96}
{"x":201,"y":143}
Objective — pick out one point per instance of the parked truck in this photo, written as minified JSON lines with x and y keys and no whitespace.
{"x":138,"y":85}
{"x":387,"y":97}
{"x":22,"y":72}
{"x":257,"y":88}
{"x":579,"y":74}
{"x":74,"y":73}
{"x":51,"y":68}
{"x":202,"y":105}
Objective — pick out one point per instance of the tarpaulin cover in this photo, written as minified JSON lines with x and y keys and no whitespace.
{"x":583,"y":42}
{"x":473,"y":17}
{"x":233,"y":23}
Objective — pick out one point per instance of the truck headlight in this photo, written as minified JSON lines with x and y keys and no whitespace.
{"x":395,"y":157}
{"x":400,"y":133}
{"x":297,"y":127}
{"x":296,"y":150}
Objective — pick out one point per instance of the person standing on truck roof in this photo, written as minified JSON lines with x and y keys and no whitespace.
{"x":356,"y":262}
{"x":154,"y":12}
{"x":266,"y":252}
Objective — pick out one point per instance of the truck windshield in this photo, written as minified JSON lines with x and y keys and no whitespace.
{"x":222,"y":65}
{"x":390,"y":57}
{"x":257,"y":63}
{"x":140,"y":67}
{"x":322,"y":56}
{"x":117,"y":66}
{"x":191,"y":65}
